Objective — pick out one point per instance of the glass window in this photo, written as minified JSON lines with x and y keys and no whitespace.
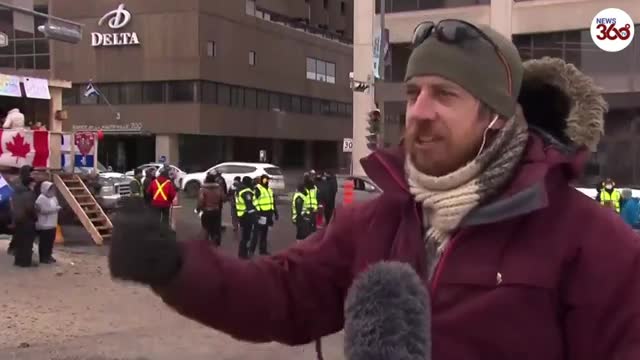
{"x":349,"y":109}
{"x":285,"y":102}
{"x":250,"y":98}
{"x":252,"y":58}
{"x":343,"y":8}
{"x":211,"y":49}
{"x":331,"y":73}
{"x":305,"y":103}
{"x":295,"y":104}
{"x":209,"y":93}
{"x":311,"y":68}
{"x":70,"y":96}
{"x":181,"y":91}
{"x":316,"y":108}
{"x":324,"y":107}
{"x":333,"y":107}
{"x":405,"y":5}
{"x":42,"y":46}
{"x":548,"y":44}
{"x":237,"y":96}
{"x":224,"y":95}
{"x":153,"y":93}
{"x":321,"y":70}
{"x":273,"y":171}
{"x":111,"y":92}
{"x":43,"y":62}
{"x":263,"y":100}
{"x":25,"y":62}
{"x":274,"y":101}
{"x":131,"y":93}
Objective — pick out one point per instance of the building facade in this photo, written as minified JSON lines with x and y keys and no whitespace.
{"x":558,"y":28}
{"x":207,"y":81}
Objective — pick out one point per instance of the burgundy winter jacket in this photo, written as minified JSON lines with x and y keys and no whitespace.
{"x":542,"y":272}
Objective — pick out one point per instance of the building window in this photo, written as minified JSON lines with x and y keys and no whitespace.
{"x":224,"y":95}
{"x":250,"y":98}
{"x":211,"y":49}
{"x":250,"y":7}
{"x":131,"y":93}
{"x":209,"y":93}
{"x":325,"y":4}
{"x":263,"y":100}
{"x":153,"y":93}
{"x":321,"y":70}
{"x":274,"y":102}
{"x":252,"y":58}
{"x":26,"y":50}
{"x":295,"y":104}
{"x":343,"y":8}
{"x":181,"y":91}
{"x":110,"y":93}
{"x":70,"y":96}
{"x":237,"y":96}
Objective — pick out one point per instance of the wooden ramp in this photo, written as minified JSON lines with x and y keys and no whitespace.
{"x":85,"y":206}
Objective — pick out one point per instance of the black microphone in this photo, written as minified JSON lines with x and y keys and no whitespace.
{"x":387,"y":315}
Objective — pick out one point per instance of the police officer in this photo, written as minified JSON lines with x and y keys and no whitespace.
{"x":299,"y":214}
{"x":311,"y":200}
{"x":136,"y":184}
{"x":246,"y":213}
{"x":264,"y":202}
{"x":610,"y":196}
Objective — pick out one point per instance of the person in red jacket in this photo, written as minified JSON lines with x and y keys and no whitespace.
{"x":162,"y":192}
{"x":518,"y":264}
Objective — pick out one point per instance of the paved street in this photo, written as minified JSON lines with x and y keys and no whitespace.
{"x":73,"y":310}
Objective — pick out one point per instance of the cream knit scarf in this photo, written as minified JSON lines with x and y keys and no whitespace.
{"x":446,"y":200}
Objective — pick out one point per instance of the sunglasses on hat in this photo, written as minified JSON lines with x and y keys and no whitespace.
{"x":453,"y":31}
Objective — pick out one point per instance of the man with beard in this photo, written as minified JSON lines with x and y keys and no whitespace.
{"x":476,"y":199}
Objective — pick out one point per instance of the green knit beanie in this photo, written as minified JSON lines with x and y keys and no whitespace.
{"x":475,"y":66}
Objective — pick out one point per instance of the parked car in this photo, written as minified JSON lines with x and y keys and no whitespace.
{"x":191,"y":182}
{"x":157,"y":166}
{"x":113,"y":186}
{"x":364,"y":189}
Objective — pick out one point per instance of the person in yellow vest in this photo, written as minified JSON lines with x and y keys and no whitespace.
{"x":246,"y":212}
{"x":265,"y":203}
{"x":610,"y":196}
{"x":311,"y":200}
{"x":300,"y":217}
{"x":136,"y":184}
{"x":162,"y":194}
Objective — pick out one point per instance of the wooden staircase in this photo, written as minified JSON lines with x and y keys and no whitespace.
{"x":85,"y":206}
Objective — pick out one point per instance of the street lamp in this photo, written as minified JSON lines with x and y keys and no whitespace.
{"x":61,"y":33}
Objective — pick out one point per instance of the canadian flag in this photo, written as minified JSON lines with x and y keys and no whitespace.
{"x":24,"y":147}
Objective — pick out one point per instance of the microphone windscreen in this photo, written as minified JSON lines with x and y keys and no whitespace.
{"x":387,"y":315}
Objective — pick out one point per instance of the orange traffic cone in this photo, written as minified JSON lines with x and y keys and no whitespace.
{"x":59,"y":237}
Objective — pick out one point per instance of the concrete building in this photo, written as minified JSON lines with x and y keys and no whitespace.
{"x":207,"y":81}
{"x":539,"y":28}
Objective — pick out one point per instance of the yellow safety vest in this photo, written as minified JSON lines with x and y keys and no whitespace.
{"x":294,"y":214}
{"x":241,"y":207}
{"x":139,"y":194}
{"x":614,"y":197}
{"x":160,"y":190}
{"x":311,"y":200}
{"x":266,"y":201}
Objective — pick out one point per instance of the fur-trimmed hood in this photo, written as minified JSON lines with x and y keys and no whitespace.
{"x":559,"y":100}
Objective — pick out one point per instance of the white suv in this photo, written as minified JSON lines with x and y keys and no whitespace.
{"x":191,"y":182}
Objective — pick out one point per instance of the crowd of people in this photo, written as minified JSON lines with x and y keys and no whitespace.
{"x":621,"y":201}
{"x":253,"y":208}
{"x":31,"y":214}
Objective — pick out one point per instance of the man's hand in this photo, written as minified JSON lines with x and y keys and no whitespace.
{"x":143,"y":249}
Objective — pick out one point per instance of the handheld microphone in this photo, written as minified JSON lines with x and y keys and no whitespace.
{"x":387,"y":315}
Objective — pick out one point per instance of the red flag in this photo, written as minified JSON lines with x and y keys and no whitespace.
{"x":24,"y":147}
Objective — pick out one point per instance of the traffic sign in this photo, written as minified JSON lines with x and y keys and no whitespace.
{"x":347,"y":145}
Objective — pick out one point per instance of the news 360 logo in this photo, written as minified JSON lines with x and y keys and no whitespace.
{"x":612,"y":30}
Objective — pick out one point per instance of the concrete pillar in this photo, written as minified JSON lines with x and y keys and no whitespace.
{"x":167,"y":145}
{"x":501,"y":16}
{"x":308,"y":155}
{"x":54,"y":125}
{"x":363,"y":15}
